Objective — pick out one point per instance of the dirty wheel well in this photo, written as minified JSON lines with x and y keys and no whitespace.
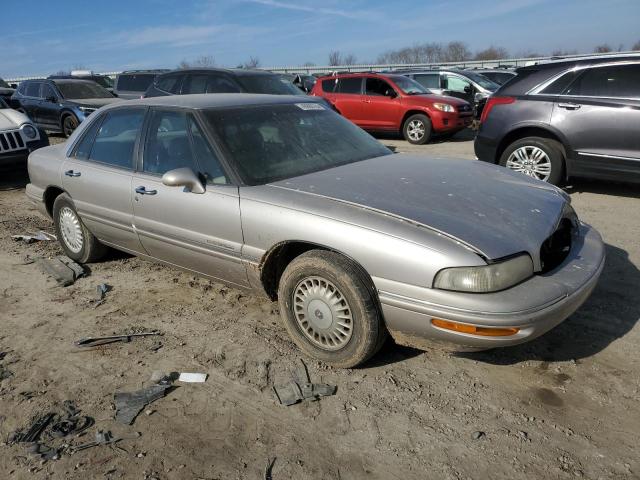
{"x":527,"y":132}
{"x":50,"y":196}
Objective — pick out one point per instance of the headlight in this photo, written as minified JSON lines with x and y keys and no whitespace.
{"x":445,"y":107}
{"x":87,"y":110}
{"x":487,"y":278}
{"x":29,"y":132}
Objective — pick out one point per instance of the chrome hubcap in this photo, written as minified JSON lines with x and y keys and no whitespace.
{"x":70,"y":229}
{"x":322,"y":312}
{"x":415,"y":130}
{"x":532,"y":161}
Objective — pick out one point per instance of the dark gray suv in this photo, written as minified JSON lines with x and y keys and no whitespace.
{"x":567,"y":118}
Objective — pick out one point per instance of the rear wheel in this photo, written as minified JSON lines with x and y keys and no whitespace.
{"x":536,"y":157}
{"x":69,"y":124}
{"x":329,"y":309}
{"x":417,"y":129}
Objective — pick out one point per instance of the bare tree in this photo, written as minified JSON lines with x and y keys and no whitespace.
{"x":604,"y":48}
{"x":308,"y":64}
{"x":63,"y":72}
{"x":456,"y":52}
{"x":335,"y":58}
{"x":253,"y":62}
{"x":349,"y":59}
{"x":563,"y":53}
{"x":492,"y":53}
{"x":201,"y":61}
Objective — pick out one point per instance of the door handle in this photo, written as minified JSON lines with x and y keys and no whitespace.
{"x":569,"y":106}
{"x":144,"y":191}
{"x":71,"y":173}
{"x":366,"y":100}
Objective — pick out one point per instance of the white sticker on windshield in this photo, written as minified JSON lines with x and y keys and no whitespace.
{"x":310,"y":106}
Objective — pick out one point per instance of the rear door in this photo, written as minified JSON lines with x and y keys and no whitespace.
{"x":382,"y":105}
{"x":30,"y":101}
{"x":346,"y":95}
{"x":48,"y":111}
{"x":599,"y":114}
{"x":199,"y":232}
{"x":458,"y":86}
{"x":98,"y":176}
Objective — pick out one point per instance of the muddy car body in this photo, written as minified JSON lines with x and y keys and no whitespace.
{"x":300,"y":204}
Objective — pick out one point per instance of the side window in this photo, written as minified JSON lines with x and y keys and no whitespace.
{"x":170,"y":83}
{"x":329,"y":86}
{"x":620,"y":81}
{"x":194,"y":84}
{"x":22,"y":88}
{"x":350,"y":85}
{"x":167,"y":146}
{"x":33,"y":89}
{"x":83,"y":149}
{"x":116,"y":138}
{"x":377,"y":87}
{"x":221,"y":84}
{"x":209,"y":165}
{"x":428,"y":80}
{"x":47,"y":92}
{"x":560,"y":84}
{"x":457,"y":84}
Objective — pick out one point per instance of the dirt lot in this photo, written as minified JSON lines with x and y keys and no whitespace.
{"x":564,"y":406}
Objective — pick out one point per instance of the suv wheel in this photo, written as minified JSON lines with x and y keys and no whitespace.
{"x":537,"y":157}
{"x":329,"y":310}
{"x":417,"y":129}
{"x":76,"y":240}
{"x":69,"y":124}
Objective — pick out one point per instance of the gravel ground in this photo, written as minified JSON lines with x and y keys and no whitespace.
{"x":564,"y":406}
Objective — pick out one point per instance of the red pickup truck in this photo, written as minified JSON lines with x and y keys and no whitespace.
{"x":394,"y":103}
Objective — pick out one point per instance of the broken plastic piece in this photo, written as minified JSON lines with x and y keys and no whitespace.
{"x":94,"y":341}
{"x":40,"y":236}
{"x":129,"y":405}
{"x":34,"y":431}
{"x":64,"y":270}
{"x":102,"y":438}
{"x":45,"y":452}
{"x":192,"y":377}
{"x":301,"y":388}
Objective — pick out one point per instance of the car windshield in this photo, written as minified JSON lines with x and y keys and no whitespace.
{"x":4,"y":84}
{"x":484,"y":82}
{"x":3,"y":104}
{"x":273,"y":142}
{"x":270,"y":84}
{"x":80,"y":90}
{"x":408,"y":86}
{"x":105,"y":82}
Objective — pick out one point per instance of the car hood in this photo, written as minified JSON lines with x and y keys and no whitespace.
{"x":490,"y":209}
{"x":11,"y":119}
{"x":429,"y":99}
{"x":94,"y":102}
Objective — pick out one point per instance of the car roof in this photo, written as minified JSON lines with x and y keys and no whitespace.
{"x":213,"y":100}
{"x":71,"y":80}
{"x":589,"y":60}
{"x":151,"y":71}
{"x":229,"y":71}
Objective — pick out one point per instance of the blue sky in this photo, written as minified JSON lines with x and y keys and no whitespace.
{"x":113,"y":35}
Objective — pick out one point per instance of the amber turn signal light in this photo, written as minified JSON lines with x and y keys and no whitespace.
{"x":473,"y":330}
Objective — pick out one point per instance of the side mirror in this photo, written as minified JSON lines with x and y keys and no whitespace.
{"x":468,"y":89}
{"x":390,"y":93}
{"x":183,"y":177}
{"x":13,"y":85}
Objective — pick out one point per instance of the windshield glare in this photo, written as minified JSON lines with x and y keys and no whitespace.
{"x":273,"y":142}
{"x":408,"y":85}
{"x":82,"y":90}
{"x":484,"y":82}
{"x":269,"y":84}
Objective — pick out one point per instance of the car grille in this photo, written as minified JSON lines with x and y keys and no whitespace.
{"x":11,"y":141}
{"x":465,"y":108}
{"x":556,"y":248}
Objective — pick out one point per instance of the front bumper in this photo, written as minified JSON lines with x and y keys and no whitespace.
{"x":533,"y":307}
{"x":485,"y":149}
{"x":18,"y":158}
{"x":446,"y":122}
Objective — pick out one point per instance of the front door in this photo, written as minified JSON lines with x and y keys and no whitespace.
{"x":599,"y":113}
{"x":98,"y":177}
{"x":199,"y":232}
{"x":457,"y":86}
{"x":381,"y":109}
{"x":347,"y":98}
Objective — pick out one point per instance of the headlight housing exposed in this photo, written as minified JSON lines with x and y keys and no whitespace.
{"x":444,"y":107}
{"x":485,"y":278}
{"x":29,"y":132}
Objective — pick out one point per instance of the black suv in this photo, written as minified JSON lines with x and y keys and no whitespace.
{"x":103,"y":80}
{"x":6,"y":91}
{"x":567,"y":118}
{"x":60,"y":105}
{"x":218,"y":80}
{"x":133,"y":83}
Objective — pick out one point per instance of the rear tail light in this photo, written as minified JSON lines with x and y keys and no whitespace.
{"x":492,"y":102}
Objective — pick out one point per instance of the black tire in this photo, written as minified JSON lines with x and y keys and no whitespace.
{"x":367,"y":330}
{"x":69,"y":124}
{"x":551,"y":148}
{"x":91,"y":249}
{"x":418,"y":119}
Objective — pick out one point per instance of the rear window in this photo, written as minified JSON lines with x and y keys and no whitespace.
{"x":209,"y":84}
{"x":619,"y":81}
{"x":560,"y":85}
{"x":428,"y":80}
{"x":135,"y":82}
{"x":81,"y":90}
{"x":170,"y":83}
{"x":351,"y":85}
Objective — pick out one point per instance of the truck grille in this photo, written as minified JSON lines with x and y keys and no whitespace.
{"x":556,"y":248}
{"x":11,"y":141}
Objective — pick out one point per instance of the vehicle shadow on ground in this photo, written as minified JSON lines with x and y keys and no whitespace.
{"x":13,"y":179}
{"x":600,"y":187}
{"x":609,"y":314}
{"x":465,"y":135}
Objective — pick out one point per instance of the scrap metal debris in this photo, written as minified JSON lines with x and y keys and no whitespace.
{"x":64,"y":270}
{"x":301,"y":388}
{"x":269,"y":469}
{"x":130,"y":404}
{"x":94,"y":341}
{"x":101,"y":438}
{"x":192,"y":377}
{"x":40,"y":236}
{"x":101,"y":290}
{"x":34,"y":432}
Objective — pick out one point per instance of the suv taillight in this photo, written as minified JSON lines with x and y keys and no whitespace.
{"x":492,"y":102}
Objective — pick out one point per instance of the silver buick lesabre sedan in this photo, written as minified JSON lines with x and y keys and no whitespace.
{"x":282,"y":195}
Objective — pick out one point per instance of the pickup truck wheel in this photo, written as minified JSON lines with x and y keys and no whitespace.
{"x":537,"y":157}
{"x":329,"y":310}
{"x":76,"y":240}
{"x":69,"y":124}
{"x":417,"y":129}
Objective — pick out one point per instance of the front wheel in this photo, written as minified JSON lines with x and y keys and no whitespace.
{"x":417,"y":129}
{"x":536,"y":157}
{"x":69,"y":124}
{"x":329,"y":309}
